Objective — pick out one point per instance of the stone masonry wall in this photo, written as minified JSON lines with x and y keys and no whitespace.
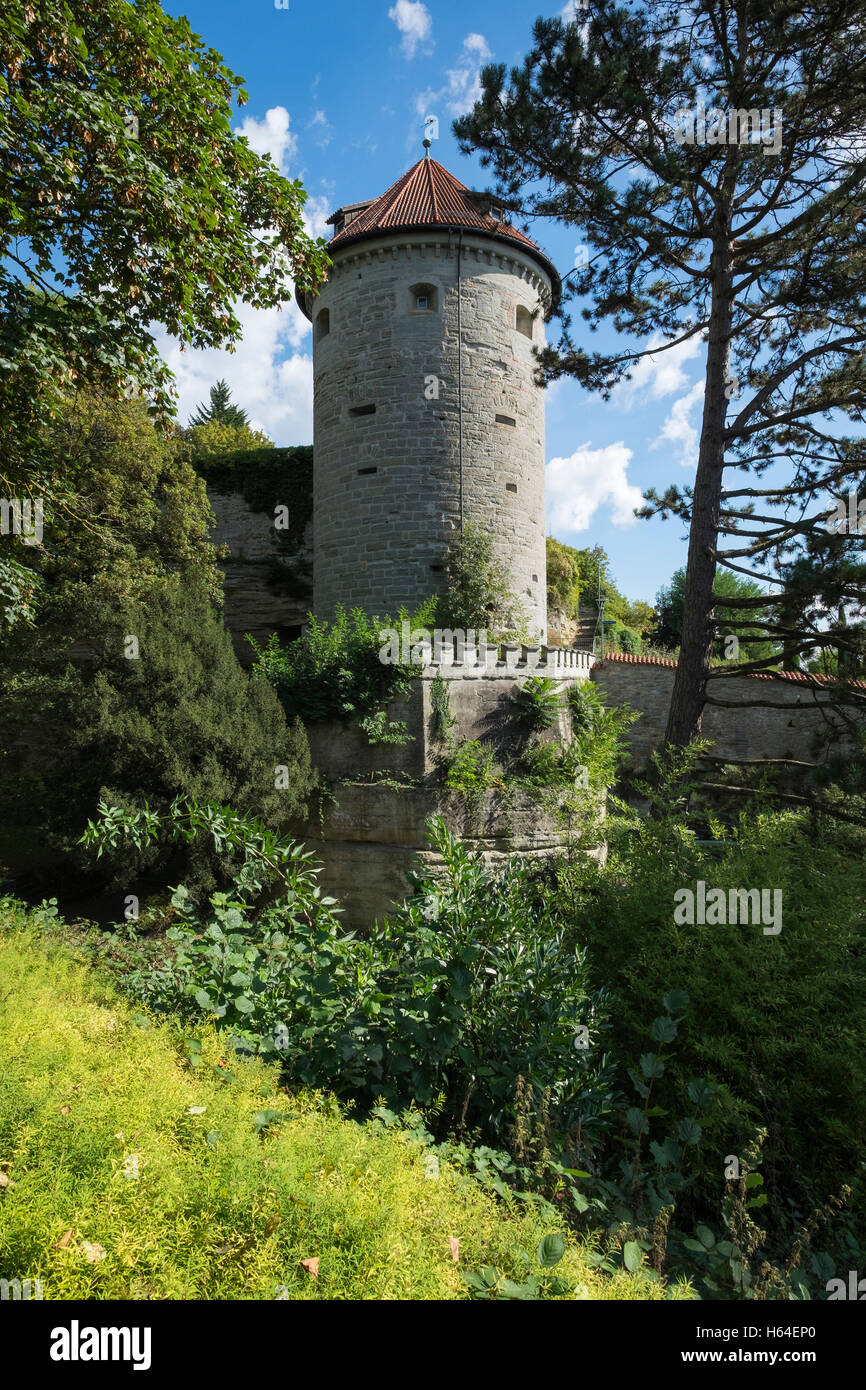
{"x":748,"y":733}
{"x":387,"y":486}
{"x":257,"y":600}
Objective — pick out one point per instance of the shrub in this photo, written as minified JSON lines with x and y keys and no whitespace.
{"x":777,"y":1022}
{"x":334,"y":670}
{"x":133,"y":1175}
{"x":538,"y":702}
{"x":479,"y":592}
{"x":461,"y":991}
{"x":181,"y":718}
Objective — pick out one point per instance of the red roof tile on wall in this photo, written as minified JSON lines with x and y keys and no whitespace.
{"x":805,"y":677}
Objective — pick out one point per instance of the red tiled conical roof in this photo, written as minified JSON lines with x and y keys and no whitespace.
{"x":428,"y":196}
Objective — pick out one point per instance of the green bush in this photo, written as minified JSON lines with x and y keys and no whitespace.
{"x":538,"y":702}
{"x":182,"y":718}
{"x":479,"y":593}
{"x":334,"y":670}
{"x":131,"y":1174}
{"x":776,"y":1023}
{"x":460,"y":992}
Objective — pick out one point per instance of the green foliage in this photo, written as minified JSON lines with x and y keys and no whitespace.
{"x":440,"y":704}
{"x":220,"y":410}
{"x":135,"y":512}
{"x":479,"y":593}
{"x":137,"y":205}
{"x":599,"y":732}
{"x":625,"y":639}
{"x":237,"y":1182}
{"x":803,"y":1084}
{"x":463,"y":989}
{"x":380,"y":729}
{"x":265,"y":477}
{"x":19,"y":588}
{"x":181,"y":718}
{"x":564,"y":586}
{"x":213,"y":439}
{"x":491,"y":1283}
{"x":471,"y":767}
{"x":538,"y":703}
{"x":746,"y":623}
{"x":334,"y":670}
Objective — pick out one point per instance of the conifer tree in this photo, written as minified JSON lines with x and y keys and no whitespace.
{"x":710,"y":152}
{"x":220,"y":410}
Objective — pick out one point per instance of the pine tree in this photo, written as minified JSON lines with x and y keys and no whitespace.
{"x":221,"y":411}
{"x":710,"y":153}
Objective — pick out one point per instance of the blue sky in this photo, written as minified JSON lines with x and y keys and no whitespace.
{"x":337,"y":95}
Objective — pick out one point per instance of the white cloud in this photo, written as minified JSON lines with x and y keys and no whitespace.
{"x":415,"y":23}
{"x":659,"y":374}
{"x":271,"y":136}
{"x":462,"y":86}
{"x":578,"y":486}
{"x":316,"y":212}
{"x":270,"y":377}
{"x":323,"y":127}
{"x":270,"y":373}
{"x":679,"y":430}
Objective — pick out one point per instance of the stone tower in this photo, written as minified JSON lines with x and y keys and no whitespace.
{"x":425,"y":410}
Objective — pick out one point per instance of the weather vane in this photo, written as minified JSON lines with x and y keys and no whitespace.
{"x":431,"y":131}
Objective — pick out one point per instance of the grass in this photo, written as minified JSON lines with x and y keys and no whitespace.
{"x":92,"y":1092}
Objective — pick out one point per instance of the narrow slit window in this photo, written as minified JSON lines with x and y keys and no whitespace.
{"x":357,"y":410}
{"x":523,"y":321}
{"x":505,"y":420}
{"x":323,"y":324}
{"x":423,"y":299}
{"x":510,"y":487}
{"x":368,"y":470}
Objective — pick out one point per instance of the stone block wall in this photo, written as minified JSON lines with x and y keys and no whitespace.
{"x":747,"y":733}
{"x":373,"y":834}
{"x":387,"y":442}
{"x":267,"y":589}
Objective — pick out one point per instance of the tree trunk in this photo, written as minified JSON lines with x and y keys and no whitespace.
{"x":690,"y":683}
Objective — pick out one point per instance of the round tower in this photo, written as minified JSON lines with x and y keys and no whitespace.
{"x":425,"y":408}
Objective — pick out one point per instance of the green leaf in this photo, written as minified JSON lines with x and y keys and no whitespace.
{"x":675,"y":1001}
{"x":754,"y":1180}
{"x":688,"y":1131}
{"x":632,"y":1256}
{"x":551,"y":1250}
{"x":663,"y":1030}
{"x":705,"y":1236}
{"x":651,"y":1066}
{"x":701,"y":1093}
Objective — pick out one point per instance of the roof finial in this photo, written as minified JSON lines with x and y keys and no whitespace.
{"x":431,"y":133}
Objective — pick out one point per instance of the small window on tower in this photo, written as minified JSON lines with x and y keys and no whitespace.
{"x":423,"y":299}
{"x":323,"y":324}
{"x":523,"y":321}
